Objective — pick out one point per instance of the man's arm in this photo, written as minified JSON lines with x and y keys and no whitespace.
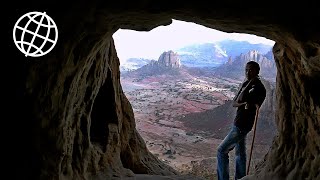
{"x":257,"y":96}
{"x":238,"y":98}
{"x":236,"y":104}
{"x":262,"y":96}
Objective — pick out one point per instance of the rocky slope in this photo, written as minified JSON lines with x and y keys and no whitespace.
{"x":220,"y":119}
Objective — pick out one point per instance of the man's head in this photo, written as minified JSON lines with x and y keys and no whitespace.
{"x":252,"y":69}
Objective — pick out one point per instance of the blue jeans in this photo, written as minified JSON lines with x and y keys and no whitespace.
{"x":236,"y":139}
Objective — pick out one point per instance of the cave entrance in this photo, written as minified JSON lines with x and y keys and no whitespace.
{"x":180,"y":80}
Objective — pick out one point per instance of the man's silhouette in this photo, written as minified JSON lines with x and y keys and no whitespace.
{"x":249,"y":97}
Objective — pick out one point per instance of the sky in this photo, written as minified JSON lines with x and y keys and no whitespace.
{"x":150,"y":44}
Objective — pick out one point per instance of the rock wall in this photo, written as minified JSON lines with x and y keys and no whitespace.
{"x":254,"y":55}
{"x":295,"y":152}
{"x":69,"y":118}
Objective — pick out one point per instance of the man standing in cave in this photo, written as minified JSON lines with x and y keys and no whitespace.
{"x":250,"y":97}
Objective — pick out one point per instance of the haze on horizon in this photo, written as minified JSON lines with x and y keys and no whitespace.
{"x":150,"y":44}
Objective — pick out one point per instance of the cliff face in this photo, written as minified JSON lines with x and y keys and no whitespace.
{"x":254,"y":55}
{"x":71,"y":119}
{"x":169,"y":59}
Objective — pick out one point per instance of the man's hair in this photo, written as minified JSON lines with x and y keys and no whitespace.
{"x":254,"y":65}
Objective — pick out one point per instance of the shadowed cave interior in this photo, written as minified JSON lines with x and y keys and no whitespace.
{"x":76,"y":123}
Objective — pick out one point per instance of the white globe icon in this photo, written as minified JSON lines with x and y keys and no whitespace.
{"x":35,"y":34}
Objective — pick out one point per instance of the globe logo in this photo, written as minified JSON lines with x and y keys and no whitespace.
{"x":35,"y":34}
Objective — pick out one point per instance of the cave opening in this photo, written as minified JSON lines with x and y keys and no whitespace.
{"x":181,"y":94}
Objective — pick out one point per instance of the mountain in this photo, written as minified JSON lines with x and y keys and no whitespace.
{"x":202,"y":55}
{"x":133,"y":64}
{"x":168,"y":63}
{"x":169,"y":59}
{"x":216,"y":54}
{"x":235,"y":48}
{"x":205,"y":55}
{"x":234,"y":67}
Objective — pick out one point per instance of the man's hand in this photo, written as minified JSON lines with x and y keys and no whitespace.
{"x":257,"y":106}
{"x":236,"y":104}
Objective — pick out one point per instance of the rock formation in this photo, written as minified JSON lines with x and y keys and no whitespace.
{"x":169,"y":59}
{"x":254,"y":55}
{"x":234,"y":68}
{"x":168,"y":63}
{"x":68,"y":117}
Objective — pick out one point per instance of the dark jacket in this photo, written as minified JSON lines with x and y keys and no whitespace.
{"x":254,"y":93}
